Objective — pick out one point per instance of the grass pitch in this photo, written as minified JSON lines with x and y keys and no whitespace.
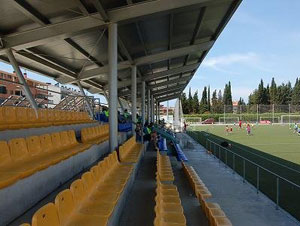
{"x":274,"y":147}
{"x":276,"y":140}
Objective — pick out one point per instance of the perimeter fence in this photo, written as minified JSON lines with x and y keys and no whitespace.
{"x":266,"y":114}
{"x":275,"y":177}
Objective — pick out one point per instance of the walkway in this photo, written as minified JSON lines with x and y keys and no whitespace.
{"x":139,"y":208}
{"x":240,"y":202}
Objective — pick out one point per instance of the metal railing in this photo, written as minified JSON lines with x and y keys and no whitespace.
{"x":257,"y":175}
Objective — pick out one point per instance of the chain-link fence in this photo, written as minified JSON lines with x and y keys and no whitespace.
{"x":263,"y":114}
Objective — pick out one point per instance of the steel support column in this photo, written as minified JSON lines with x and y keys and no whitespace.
{"x":143,"y":102}
{"x":157,"y":113}
{"x":113,"y":85}
{"x":86,"y":99}
{"x":167,"y":111}
{"x":22,"y":80}
{"x":148,"y":108}
{"x":152,"y":108}
{"x":133,"y":97}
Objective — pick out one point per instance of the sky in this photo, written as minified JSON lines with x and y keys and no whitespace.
{"x":262,"y":40}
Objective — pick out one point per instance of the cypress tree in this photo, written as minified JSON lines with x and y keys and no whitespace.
{"x":296,"y":93}
{"x":196,"y":103}
{"x":203,"y":103}
{"x":214,"y":102}
{"x":273,"y":92}
{"x":208,"y":98}
{"x":190,"y":101}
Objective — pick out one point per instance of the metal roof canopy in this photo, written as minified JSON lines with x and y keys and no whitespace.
{"x":67,"y":40}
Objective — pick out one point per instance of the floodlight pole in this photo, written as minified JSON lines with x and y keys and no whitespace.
{"x":22,"y":80}
{"x":133,"y":97}
{"x":113,"y":85}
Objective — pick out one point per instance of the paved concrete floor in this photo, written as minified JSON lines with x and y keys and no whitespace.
{"x":139,"y":208}
{"x":192,"y":210}
{"x":239,"y":200}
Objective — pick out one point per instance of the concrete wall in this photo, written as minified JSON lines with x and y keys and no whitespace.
{"x":10,"y":134}
{"x":19,"y":197}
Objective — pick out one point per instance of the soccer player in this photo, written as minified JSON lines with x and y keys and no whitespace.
{"x":240,"y":124}
{"x":248,"y":129}
{"x":231,"y":130}
{"x":295,"y":128}
{"x":227,"y":129}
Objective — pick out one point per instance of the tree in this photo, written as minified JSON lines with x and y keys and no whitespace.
{"x":190,"y":101}
{"x":241,"y":101}
{"x":196,"y":106}
{"x":214,"y":102}
{"x":261,"y":96}
{"x":296,"y":93}
{"x":184,"y":103}
{"x":208,"y":98}
{"x":273,"y":92}
{"x":203,"y":103}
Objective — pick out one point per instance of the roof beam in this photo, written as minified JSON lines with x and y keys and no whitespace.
{"x":169,"y":90}
{"x":168,"y":98}
{"x":88,"y":74}
{"x":166,"y":83}
{"x":167,"y":94}
{"x":66,"y":29}
{"x":173,"y":71}
{"x":174,"y":53}
{"x":30,"y":12}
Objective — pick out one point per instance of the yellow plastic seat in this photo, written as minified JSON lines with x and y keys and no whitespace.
{"x":46,"y":216}
{"x":35,"y":150}
{"x":68,"y":215}
{"x":176,"y":218}
{"x":21,"y":118}
{"x":25,"y":224}
{"x":221,"y":221}
{"x":168,"y":207}
{"x":3,"y":122}
{"x":43,"y":119}
{"x":87,"y":206}
{"x":47,"y":147}
{"x":32,"y":118}
{"x":21,"y":158}
{"x":9,"y":114}
{"x":213,"y":213}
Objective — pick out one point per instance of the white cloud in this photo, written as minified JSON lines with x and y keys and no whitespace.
{"x":225,"y":60}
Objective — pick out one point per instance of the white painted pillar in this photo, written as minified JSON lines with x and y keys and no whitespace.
{"x":113,"y":85}
{"x":152,"y":108}
{"x":133,"y":98}
{"x":149,"y":107}
{"x":167,"y":111}
{"x":143,"y":102}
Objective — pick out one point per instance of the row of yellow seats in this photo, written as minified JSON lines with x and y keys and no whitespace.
{"x":213,"y":211}
{"x":22,"y":117}
{"x":90,"y":200}
{"x":164,"y":168}
{"x":168,"y":208}
{"x":20,"y":157}
{"x":95,"y":135}
{"x":130,"y":151}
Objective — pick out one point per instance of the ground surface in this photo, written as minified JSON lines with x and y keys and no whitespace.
{"x":240,"y":201}
{"x":277,"y":140}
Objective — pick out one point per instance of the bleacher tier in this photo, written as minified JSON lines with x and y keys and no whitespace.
{"x":22,"y":118}
{"x":92,"y":199}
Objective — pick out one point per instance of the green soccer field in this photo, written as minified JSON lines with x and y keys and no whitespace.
{"x":277,"y":140}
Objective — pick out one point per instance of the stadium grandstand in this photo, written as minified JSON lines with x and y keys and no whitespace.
{"x":78,"y":164}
